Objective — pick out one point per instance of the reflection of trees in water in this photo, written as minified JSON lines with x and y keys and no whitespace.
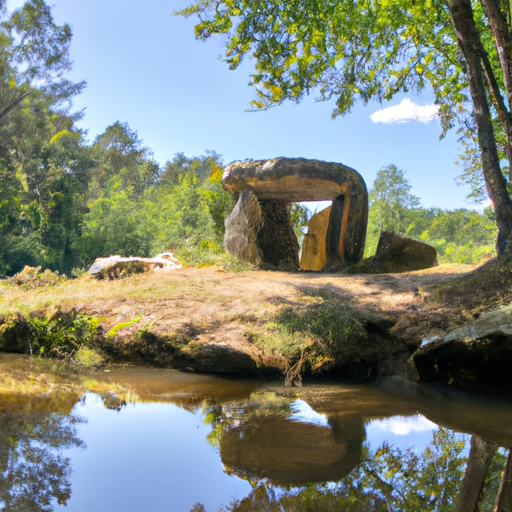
{"x":34,"y":471}
{"x":387,"y":479}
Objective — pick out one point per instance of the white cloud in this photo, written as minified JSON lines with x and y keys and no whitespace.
{"x":402,"y":426}
{"x":303,"y":412}
{"x":404,"y":112}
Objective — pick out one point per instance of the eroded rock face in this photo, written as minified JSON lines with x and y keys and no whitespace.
{"x":477,"y":353}
{"x":277,"y":182}
{"x":398,"y":253}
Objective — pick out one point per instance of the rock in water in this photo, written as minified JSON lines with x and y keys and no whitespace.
{"x":477,"y":353}
{"x":277,"y":182}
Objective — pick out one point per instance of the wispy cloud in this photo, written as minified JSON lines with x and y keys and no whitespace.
{"x":404,"y":112}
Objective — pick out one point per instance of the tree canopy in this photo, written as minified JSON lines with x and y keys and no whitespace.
{"x":347,"y":50}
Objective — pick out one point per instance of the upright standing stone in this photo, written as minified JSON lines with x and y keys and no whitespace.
{"x":242,"y":228}
{"x":314,"y":248}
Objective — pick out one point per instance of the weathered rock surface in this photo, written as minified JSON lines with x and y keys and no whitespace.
{"x":478,"y":353}
{"x":116,"y":266}
{"x":242,"y":228}
{"x":281,"y":181}
{"x":398,"y":253}
{"x":276,"y":238}
{"x":314,"y":248}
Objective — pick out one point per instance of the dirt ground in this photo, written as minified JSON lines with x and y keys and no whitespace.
{"x":212,"y":305}
{"x":214,"y":311}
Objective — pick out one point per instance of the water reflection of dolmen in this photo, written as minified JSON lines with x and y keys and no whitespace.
{"x":259,"y":229}
{"x":293,"y":452}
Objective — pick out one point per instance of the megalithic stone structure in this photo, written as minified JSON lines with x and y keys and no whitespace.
{"x":259,"y":229}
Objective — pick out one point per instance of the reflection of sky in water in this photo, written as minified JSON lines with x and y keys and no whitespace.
{"x":401,"y":431}
{"x":147,"y":457}
{"x":304,"y":413}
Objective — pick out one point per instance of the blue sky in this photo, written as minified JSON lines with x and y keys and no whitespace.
{"x":144,"y":67}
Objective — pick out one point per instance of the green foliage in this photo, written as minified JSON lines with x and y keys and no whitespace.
{"x":57,"y":334}
{"x":113,"y":332}
{"x":460,"y":236}
{"x":32,"y":277}
{"x":62,"y":335}
{"x":299,"y":215}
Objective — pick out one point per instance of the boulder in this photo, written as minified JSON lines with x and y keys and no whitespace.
{"x":276,"y":183}
{"x":117,"y":266}
{"x":398,"y":253}
{"x":478,"y":353}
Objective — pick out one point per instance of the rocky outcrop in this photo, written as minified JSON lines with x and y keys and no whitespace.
{"x":476,"y":354}
{"x":275,"y":184}
{"x":116,"y":266}
{"x":398,"y":253}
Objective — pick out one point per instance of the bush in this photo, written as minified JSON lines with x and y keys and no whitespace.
{"x":32,"y":277}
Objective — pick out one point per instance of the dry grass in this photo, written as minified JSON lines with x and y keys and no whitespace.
{"x":209,"y":305}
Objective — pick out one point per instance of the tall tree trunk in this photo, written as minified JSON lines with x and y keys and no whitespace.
{"x":469,"y":42}
{"x":479,"y":461}
{"x":503,"y":42}
{"x":504,"y":497}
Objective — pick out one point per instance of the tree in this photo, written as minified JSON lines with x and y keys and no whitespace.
{"x":391,"y":198}
{"x":34,"y":54}
{"x":121,"y":162}
{"x":349,"y":50}
{"x":43,"y":159}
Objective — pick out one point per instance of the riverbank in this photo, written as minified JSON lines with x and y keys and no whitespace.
{"x":292,"y":324}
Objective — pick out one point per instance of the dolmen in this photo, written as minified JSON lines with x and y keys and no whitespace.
{"x":259,"y":229}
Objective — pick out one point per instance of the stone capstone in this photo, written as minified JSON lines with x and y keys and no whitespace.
{"x":264,"y":234}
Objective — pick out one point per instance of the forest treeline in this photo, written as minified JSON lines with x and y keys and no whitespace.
{"x":68,"y":202}
{"x":65,"y":201}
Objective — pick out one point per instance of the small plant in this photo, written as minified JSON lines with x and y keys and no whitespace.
{"x":88,"y":357}
{"x":115,"y":330}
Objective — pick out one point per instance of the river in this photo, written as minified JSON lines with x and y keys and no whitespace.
{"x":160,"y":440}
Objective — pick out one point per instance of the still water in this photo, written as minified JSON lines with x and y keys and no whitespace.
{"x":160,"y":440}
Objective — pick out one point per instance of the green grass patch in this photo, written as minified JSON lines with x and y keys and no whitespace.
{"x":313,"y":337}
